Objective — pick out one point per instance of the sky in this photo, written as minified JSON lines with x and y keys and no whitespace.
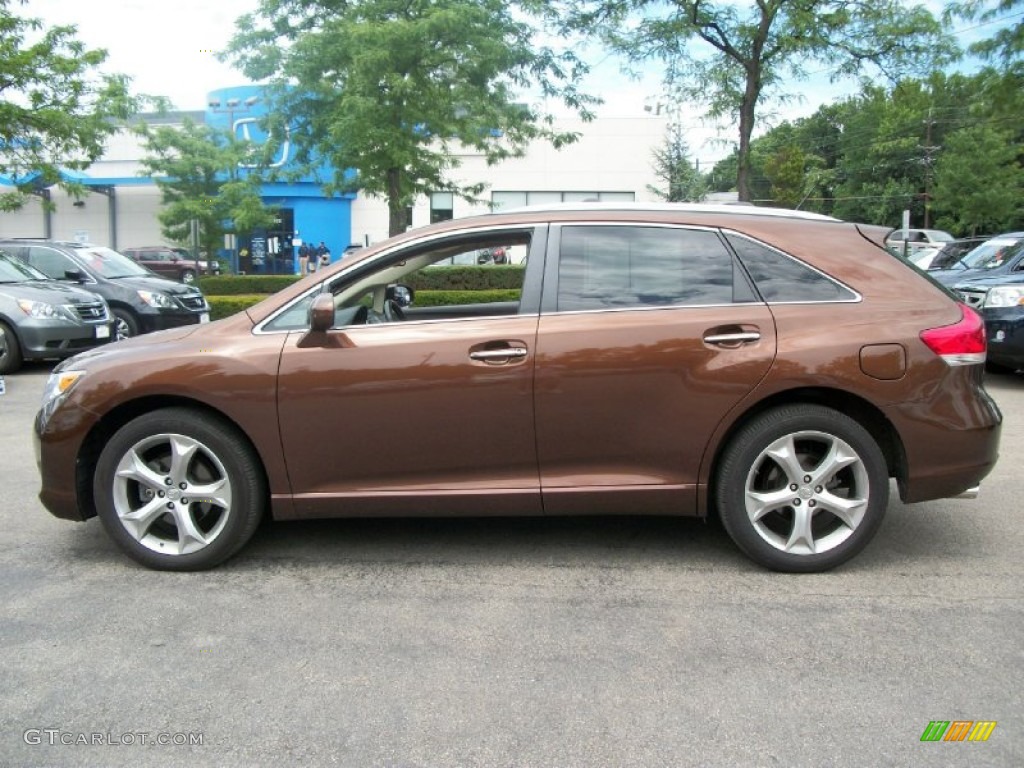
{"x":168,"y":46}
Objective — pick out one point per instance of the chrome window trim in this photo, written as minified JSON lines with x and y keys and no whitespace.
{"x":320,"y":286}
{"x":857,"y":296}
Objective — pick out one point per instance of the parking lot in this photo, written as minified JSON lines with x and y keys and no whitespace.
{"x":550,"y":642}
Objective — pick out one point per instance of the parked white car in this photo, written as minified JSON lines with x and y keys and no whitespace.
{"x":917,"y":239}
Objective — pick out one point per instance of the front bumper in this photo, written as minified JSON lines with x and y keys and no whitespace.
{"x":1004,"y":328}
{"x":49,"y":338}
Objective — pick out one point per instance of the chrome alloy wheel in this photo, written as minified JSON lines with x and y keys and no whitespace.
{"x":807,"y":492}
{"x":121,"y":329}
{"x":172,"y":494}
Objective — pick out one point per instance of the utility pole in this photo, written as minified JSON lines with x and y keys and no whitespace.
{"x":929,"y":159}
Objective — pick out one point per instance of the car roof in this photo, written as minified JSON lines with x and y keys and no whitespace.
{"x":727,"y":208}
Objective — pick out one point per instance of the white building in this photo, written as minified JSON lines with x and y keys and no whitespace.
{"x":611,"y":161}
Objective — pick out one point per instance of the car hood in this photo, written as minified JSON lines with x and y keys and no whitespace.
{"x":154,"y":283}
{"x":950,"y":276}
{"x":985,"y":282}
{"x":48,"y":291}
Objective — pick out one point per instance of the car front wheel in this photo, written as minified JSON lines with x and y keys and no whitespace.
{"x":125,"y":324}
{"x":10,"y":351}
{"x":802,"y":488}
{"x":178,"y":490}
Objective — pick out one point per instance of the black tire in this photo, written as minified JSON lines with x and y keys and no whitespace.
{"x":219,"y":461}
{"x":10,"y":350}
{"x":188,"y":277}
{"x":125,"y":324}
{"x":768,"y":528}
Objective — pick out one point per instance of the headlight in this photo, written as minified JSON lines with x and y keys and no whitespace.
{"x":41,"y":309}
{"x":157,"y":299}
{"x":1005,"y":296}
{"x":57,"y":387}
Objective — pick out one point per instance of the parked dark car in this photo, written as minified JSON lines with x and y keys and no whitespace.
{"x":139,"y":300}
{"x":1000,"y":300}
{"x":175,"y":263}
{"x":954,"y":251}
{"x":42,"y":319}
{"x":999,"y":255}
{"x":758,"y":364}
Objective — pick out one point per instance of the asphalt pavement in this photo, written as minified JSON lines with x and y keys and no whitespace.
{"x":551,"y":642}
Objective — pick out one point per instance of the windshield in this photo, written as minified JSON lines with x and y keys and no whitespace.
{"x":14,"y":270}
{"x":109,"y":263}
{"x":992,"y":254}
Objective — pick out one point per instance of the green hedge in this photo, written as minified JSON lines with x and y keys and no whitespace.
{"x":235,"y":285}
{"x":471,"y":278}
{"x":223,"y":306}
{"x":448,"y":298}
{"x":484,"y":278}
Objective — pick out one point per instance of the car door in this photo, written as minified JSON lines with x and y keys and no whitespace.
{"x":426,"y":416}
{"x":648,"y":336}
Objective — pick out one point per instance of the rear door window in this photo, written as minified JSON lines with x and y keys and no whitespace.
{"x":633,"y":266}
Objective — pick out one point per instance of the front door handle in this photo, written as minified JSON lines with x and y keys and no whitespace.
{"x":498,"y":355}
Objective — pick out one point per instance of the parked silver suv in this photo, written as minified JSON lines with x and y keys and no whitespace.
{"x":43,"y":319}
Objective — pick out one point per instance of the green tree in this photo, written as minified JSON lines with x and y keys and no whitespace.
{"x":1007,"y":42}
{"x":207,"y":174}
{"x":733,"y":58}
{"x":979,"y":182}
{"x":56,"y":110}
{"x":671,"y":164}
{"x":396,"y":89}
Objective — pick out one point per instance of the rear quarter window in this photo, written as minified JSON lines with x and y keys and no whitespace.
{"x":781,"y":278}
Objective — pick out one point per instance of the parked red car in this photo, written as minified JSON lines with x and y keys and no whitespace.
{"x":175,"y":263}
{"x":775,"y":368}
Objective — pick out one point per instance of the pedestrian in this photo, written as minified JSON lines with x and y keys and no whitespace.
{"x":323,"y":254}
{"x":313,"y":260}
{"x":303,"y":258}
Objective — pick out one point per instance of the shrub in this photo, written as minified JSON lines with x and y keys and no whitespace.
{"x":483,"y":278}
{"x":223,"y":306}
{"x":234,"y":285}
{"x":448,"y":298}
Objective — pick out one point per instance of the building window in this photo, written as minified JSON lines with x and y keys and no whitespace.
{"x":442,"y":206}
{"x":500,"y":200}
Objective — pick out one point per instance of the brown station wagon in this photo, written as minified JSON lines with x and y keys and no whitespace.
{"x":775,"y":368}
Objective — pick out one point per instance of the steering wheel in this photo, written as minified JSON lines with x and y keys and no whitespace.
{"x":392,"y":312}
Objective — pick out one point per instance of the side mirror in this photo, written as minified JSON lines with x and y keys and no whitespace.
{"x":401,"y":294}
{"x":321,"y":313}
{"x":75,"y":274}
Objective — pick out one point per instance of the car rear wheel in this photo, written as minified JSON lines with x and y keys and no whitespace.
{"x":188,"y":277}
{"x":802,"y":488}
{"x":125,"y":324}
{"x":178,"y":490}
{"x":10,"y":350}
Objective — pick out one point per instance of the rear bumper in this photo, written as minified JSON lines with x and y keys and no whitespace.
{"x":950,"y":442}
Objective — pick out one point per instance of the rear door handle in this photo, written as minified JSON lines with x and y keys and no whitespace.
{"x":732,"y":339}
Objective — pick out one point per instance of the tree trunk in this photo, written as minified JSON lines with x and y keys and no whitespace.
{"x":746,"y":129}
{"x":397,"y":219}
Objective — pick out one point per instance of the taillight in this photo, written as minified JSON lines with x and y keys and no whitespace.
{"x":962,"y":343}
